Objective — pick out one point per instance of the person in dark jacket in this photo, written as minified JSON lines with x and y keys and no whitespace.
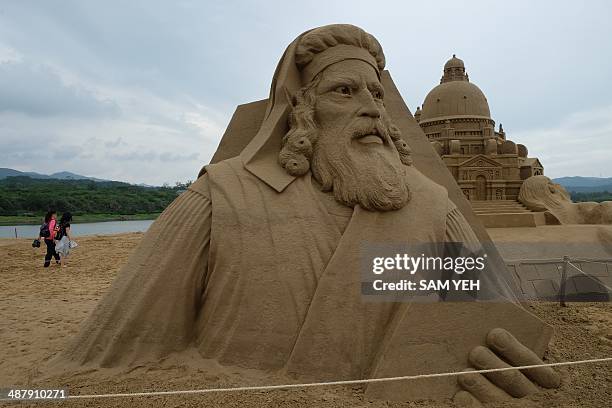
{"x":64,"y":238}
{"x":51,"y":221}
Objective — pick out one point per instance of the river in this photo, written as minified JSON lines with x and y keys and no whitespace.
{"x":90,"y":228}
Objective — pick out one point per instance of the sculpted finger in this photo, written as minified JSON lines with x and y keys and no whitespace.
{"x":511,"y":381}
{"x":481,"y":388}
{"x":464,"y":399}
{"x":506,"y":345}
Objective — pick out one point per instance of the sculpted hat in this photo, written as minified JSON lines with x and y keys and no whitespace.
{"x":333,"y":55}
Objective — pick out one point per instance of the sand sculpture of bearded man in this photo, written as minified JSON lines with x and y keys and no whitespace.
{"x":256,"y":265}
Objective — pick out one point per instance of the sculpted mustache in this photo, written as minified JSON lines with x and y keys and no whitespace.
{"x":369,"y":129}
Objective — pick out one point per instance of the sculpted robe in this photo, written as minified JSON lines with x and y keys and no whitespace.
{"x":247,"y":274}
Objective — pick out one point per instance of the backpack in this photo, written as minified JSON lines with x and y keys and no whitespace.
{"x":44,"y":230}
{"x":61,"y":231}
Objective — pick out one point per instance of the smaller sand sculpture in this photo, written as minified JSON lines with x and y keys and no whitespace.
{"x":539,"y":193}
{"x":456,"y":119}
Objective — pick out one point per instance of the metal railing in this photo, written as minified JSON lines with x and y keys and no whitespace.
{"x":565,"y":263}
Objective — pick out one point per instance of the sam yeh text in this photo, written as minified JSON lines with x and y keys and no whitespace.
{"x":427,"y":285}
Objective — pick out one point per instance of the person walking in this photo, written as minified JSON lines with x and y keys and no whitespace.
{"x":64,"y":238}
{"x":52,"y":227}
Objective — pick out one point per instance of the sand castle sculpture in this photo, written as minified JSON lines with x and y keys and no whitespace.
{"x":539,"y":193}
{"x":456,"y":119}
{"x":256,"y":265}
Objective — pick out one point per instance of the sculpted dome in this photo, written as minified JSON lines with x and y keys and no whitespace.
{"x":455,"y":96}
{"x":454,"y":63}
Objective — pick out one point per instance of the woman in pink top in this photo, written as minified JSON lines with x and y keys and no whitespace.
{"x":51,"y":221}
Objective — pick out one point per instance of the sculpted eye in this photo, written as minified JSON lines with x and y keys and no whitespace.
{"x":344,"y":90}
{"x":377,"y":94}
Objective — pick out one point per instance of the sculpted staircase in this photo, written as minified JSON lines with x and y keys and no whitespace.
{"x":506,"y":213}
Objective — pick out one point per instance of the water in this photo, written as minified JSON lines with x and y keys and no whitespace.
{"x":91,"y":228}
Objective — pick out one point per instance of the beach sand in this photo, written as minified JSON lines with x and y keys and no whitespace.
{"x":40,"y":309}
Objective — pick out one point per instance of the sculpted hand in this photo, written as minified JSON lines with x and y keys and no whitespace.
{"x":503,"y":350}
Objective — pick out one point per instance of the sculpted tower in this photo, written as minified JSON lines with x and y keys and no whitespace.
{"x":456,"y":118}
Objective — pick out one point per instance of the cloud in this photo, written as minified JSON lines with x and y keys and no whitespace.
{"x":114,"y":143}
{"x":145,"y":151}
{"x":37,"y":90}
{"x":9,"y":55}
{"x":579,"y":146}
{"x":53,"y":118}
{"x":146,"y":88}
{"x":67,"y":152}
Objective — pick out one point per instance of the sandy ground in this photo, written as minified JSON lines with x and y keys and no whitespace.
{"x":554,"y":241}
{"x":41,"y":308}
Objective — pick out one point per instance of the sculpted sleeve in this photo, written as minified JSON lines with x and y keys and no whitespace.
{"x":458,"y":229}
{"x":150,"y":309}
{"x":495,"y":280}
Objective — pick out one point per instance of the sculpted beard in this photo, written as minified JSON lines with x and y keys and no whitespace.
{"x":372,"y":176}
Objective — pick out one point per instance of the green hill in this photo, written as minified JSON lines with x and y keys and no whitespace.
{"x":25,"y":196}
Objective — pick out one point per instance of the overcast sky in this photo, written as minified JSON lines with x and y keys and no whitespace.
{"x":141,"y":91}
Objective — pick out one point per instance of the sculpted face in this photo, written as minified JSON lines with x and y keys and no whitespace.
{"x":558,"y":192}
{"x":354,"y":154}
{"x":539,"y":193}
{"x":349,"y":94}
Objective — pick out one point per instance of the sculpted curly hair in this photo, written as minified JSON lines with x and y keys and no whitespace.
{"x":320,"y":39}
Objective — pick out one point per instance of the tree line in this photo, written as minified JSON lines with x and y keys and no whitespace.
{"x":23,"y":195}
{"x":597,"y":196}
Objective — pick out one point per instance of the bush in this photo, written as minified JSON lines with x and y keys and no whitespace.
{"x":23,"y":194}
{"x":597,"y":196}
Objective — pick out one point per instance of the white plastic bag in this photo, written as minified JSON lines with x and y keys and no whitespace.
{"x":63,"y":246}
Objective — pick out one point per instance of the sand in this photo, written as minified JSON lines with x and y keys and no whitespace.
{"x":41,"y":308}
{"x":554,"y":241}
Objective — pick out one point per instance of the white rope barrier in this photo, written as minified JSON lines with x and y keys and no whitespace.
{"x":592,"y":261}
{"x":528,"y":261}
{"x":533,"y":261}
{"x":333,"y":383}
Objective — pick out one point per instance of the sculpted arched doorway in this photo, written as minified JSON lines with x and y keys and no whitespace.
{"x":481,"y":188}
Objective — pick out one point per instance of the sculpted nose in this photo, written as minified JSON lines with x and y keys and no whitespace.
{"x":368,"y":106}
